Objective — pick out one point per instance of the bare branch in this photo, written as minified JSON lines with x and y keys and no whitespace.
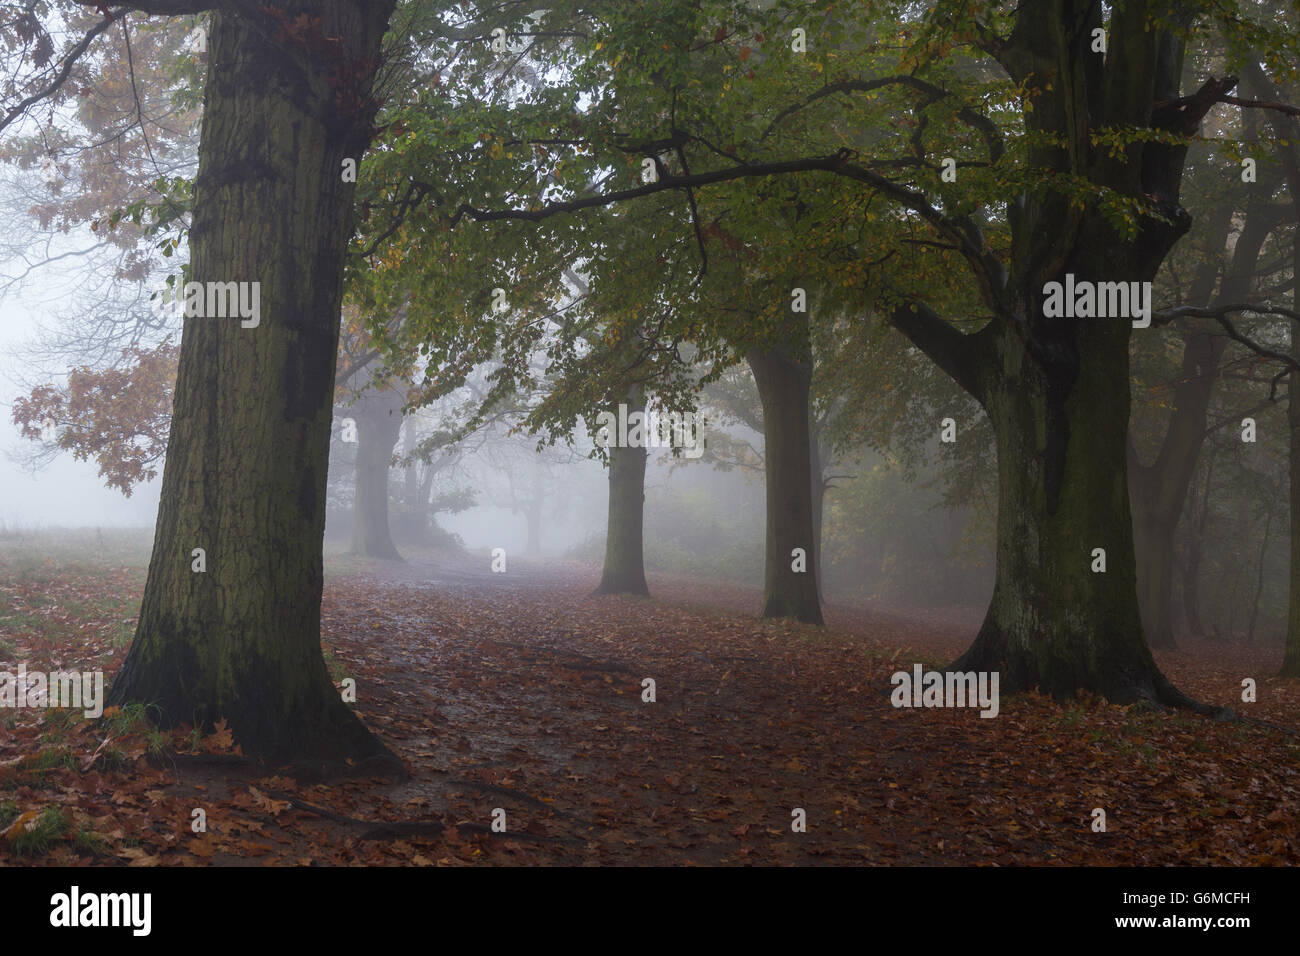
{"x":1165,"y":316}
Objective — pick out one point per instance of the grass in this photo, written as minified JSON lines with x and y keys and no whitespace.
{"x":59,"y":579}
{"x":111,"y":759}
{"x":336,"y":667}
{"x":88,"y":841}
{"x":57,"y":721}
{"x":38,"y":554}
{"x":40,"y":837}
{"x":131,"y":717}
{"x":51,"y":758}
{"x":158,"y":742}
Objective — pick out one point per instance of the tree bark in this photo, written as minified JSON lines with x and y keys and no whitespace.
{"x":247,"y":454}
{"x":624,"y":570}
{"x":379,"y":422}
{"x":784,"y":378}
{"x":1054,"y":623}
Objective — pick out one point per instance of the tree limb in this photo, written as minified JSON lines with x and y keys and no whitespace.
{"x":964,"y":233}
{"x":947,"y":347}
{"x":972,"y":118}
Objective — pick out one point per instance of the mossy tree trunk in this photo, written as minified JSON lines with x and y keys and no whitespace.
{"x":1054,"y":622}
{"x":247,"y":454}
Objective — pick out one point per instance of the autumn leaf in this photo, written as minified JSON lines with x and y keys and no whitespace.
{"x":221,"y":740}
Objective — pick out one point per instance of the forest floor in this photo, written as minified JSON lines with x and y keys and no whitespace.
{"x":522,"y":693}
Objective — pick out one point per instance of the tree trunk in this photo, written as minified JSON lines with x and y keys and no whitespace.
{"x":1152,"y":540}
{"x":1054,"y":623}
{"x":379,"y":422}
{"x":410,"y":473}
{"x":1159,"y":490}
{"x":1259,"y":580}
{"x":1291,"y":658}
{"x":817,"y":485}
{"x":414,"y":510}
{"x":1056,"y":389}
{"x":1195,"y":553}
{"x":1285,"y":131}
{"x":247,"y":454}
{"x":624,"y":570}
{"x":784,"y":380}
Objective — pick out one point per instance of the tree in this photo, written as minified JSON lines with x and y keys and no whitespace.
{"x":623,"y":571}
{"x":784,"y":376}
{"x":1158,"y":490}
{"x":377,"y":412}
{"x":1068,"y":122}
{"x":116,"y":157}
{"x":290,"y":93}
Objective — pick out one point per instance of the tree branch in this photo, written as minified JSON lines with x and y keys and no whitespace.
{"x":972,"y":118}
{"x":1280,"y":107}
{"x":1165,"y":316}
{"x":963,"y":232}
{"x":948,"y":348}
{"x":65,"y":70}
{"x":163,"y":7}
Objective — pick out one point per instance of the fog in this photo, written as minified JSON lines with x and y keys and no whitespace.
{"x":66,"y":492}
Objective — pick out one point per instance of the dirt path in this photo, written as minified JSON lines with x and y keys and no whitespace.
{"x":523,"y":693}
{"x":535,"y":685}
